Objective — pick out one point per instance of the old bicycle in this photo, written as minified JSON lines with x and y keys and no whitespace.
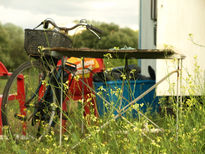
{"x":39,"y":103}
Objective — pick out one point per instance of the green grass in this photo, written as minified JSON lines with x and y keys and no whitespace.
{"x":2,"y":85}
{"x":123,"y":135}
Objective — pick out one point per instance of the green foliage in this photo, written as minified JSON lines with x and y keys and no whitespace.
{"x":11,"y":46}
{"x":123,"y":137}
{"x":113,"y":36}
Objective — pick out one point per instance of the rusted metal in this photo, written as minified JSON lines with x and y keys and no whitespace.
{"x":103,"y":53}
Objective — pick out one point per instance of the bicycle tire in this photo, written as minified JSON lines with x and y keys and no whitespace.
{"x":11,"y":82}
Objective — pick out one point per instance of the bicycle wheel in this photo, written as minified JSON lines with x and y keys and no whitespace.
{"x":18,"y":112}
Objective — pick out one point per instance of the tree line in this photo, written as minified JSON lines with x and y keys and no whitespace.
{"x":12,"y":52}
{"x":112,"y":36}
{"x":11,"y":45}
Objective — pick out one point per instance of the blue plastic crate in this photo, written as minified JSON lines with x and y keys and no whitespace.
{"x":120,"y":93}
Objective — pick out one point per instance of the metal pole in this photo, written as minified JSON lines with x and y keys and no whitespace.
{"x":181,"y":86}
{"x":177,"y":107}
{"x":61,"y":100}
{"x":83,"y":93}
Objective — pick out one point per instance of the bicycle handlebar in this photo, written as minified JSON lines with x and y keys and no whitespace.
{"x":94,"y":28}
{"x":83,"y":22}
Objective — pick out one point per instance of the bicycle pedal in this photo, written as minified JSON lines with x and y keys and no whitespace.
{"x":20,"y":117}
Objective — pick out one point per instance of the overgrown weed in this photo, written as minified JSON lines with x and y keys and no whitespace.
{"x":125,"y":135}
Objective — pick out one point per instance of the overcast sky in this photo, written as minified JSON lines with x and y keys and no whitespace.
{"x":29,"y":13}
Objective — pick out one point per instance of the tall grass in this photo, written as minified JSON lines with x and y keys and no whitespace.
{"x":124,"y":135}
